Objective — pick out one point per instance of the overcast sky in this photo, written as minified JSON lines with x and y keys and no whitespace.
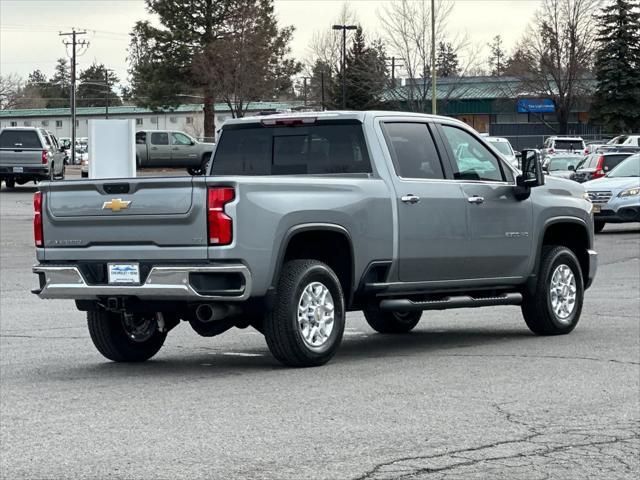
{"x":29,"y":28}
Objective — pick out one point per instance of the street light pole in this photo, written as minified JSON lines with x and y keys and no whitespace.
{"x":433,"y":59}
{"x":344,"y":29}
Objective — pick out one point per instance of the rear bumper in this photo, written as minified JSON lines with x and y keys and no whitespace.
{"x":38,"y":172}
{"x":593,"y":267}
{"x":163,"y":283}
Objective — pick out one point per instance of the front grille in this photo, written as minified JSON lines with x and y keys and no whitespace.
{"x":600,"y":197}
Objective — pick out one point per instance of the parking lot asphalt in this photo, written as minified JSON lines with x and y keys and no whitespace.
{"x":468,"y":394}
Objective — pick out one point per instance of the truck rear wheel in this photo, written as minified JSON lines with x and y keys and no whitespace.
{"x":391,"y":322}
{"x":555,"y":307}
{"x":10,"y":182}
{"x":306,"y":324}
{"x":125,"y":339}
{"x":598,"y":225}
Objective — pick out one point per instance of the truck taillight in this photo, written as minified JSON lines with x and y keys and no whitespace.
{"x":220,"y":225}
{"x":38,"y":236}
{"x":599,"y":168}
{"x":45,"y":159}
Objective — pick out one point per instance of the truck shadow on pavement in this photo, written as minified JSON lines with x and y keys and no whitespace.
{"x":181,"y":361}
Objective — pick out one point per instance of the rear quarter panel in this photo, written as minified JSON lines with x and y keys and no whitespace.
{"x":266,"y":209}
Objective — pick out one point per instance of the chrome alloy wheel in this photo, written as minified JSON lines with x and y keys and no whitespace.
{"x":315,"y":314}
{"x":563,"y":292}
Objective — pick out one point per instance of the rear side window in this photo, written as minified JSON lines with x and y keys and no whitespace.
{"x":413,"y":150}
{"x":19,"y":139}
{"x":160,"y":138}
{"x":312,"y":150}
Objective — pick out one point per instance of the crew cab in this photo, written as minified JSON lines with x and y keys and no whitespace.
{"x":303,"y":217}
{"x":29,"y":154}
{"x":165,"y":148}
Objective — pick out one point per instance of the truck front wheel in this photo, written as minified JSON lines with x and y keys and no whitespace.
{"x":306,"y":324}
{"x":130,"y":338}
{"x":391,"y":322}
{"x":10,"y":182}
{"x":555,"y":307}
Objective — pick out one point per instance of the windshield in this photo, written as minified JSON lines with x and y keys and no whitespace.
{"x":563,"y":163}
{"x":628,"y":168}
{"x":503,"y":147}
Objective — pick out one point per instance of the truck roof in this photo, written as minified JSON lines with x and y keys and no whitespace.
{"x":337,"y":115}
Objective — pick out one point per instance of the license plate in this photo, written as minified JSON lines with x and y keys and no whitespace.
{"x":597,"y":208}
{"x":18,"y":169}
{"x":123,"y":273}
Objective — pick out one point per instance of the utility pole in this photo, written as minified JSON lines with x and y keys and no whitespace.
{"x":322,"y":89}
{"x":393,"y":69}
{"x":433,"y":58}
{"x":344,"y":29}
{"x":74,"y":44}
{"x":304,"y":91}
{"x":106,"y":82}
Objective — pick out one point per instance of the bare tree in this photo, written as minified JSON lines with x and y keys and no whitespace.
{"x":407,"y":28}
{"x":556,"y":52}
{"x":11,"y":89}
{"x":326,"y":44}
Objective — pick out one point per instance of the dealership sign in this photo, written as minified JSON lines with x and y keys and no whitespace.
{"x":536,"y":105}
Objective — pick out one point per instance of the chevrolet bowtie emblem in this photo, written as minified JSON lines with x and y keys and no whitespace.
{"x":116,"y":204}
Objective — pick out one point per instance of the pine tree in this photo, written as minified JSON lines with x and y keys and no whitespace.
{"x":197,"y":51}
{"x":498,"y":57}
{"x":617,"y":98}
{"x":92,"y":88}
{"x":447,"y":64}
{"x":365,"y":74}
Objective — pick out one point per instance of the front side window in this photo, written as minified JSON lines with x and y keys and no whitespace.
{"x":141,"y":138}
{"x":473,"y":160}
{"x":413,"y":150}
{"x":178,"y":138}
{"x":160,"y":138}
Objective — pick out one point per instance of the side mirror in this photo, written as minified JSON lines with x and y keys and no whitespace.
{"x":192,"y":142}
{"x":531,"y":176}
{"x":572,"y":168}
{"x":62,"y":149}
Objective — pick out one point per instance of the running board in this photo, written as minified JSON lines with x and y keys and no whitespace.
{"x":461,"y":301}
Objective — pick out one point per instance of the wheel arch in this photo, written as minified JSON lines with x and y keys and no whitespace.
{"x":569,"y":232}
{"x":326,"y":242}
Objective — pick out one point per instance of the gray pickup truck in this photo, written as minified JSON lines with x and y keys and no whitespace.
{"x":29,"y":154}
{"x":162,"y":148}
{"x":304,"y":217}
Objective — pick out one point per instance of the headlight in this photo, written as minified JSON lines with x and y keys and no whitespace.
{"x":630,"y":192}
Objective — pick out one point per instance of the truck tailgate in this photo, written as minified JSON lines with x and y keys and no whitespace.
{"x":136,"y":218}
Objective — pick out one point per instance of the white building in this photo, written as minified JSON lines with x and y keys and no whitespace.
{"x":187,"y":118}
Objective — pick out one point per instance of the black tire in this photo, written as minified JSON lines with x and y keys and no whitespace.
{"x":110,"y":338}
{"x":10,"y":183}
{"x":391,"y":322}
{"x":281,"y":328}
{"x":537,"y":308}
{"x":84,"y":174}
{"x":202,"y":168}
{"x":598,"y":225}
{"x":61,"y":176}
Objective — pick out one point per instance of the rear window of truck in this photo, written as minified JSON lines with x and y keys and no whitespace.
{"x":19,"y":139}
{"x":299,"y":150}
{"x":569,"y":145}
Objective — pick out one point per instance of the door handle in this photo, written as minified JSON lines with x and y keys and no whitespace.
{"x":411,"y":198}
{"x":476,"y":199}
{"x":154,"y":148}
{"x":175,"y":148}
